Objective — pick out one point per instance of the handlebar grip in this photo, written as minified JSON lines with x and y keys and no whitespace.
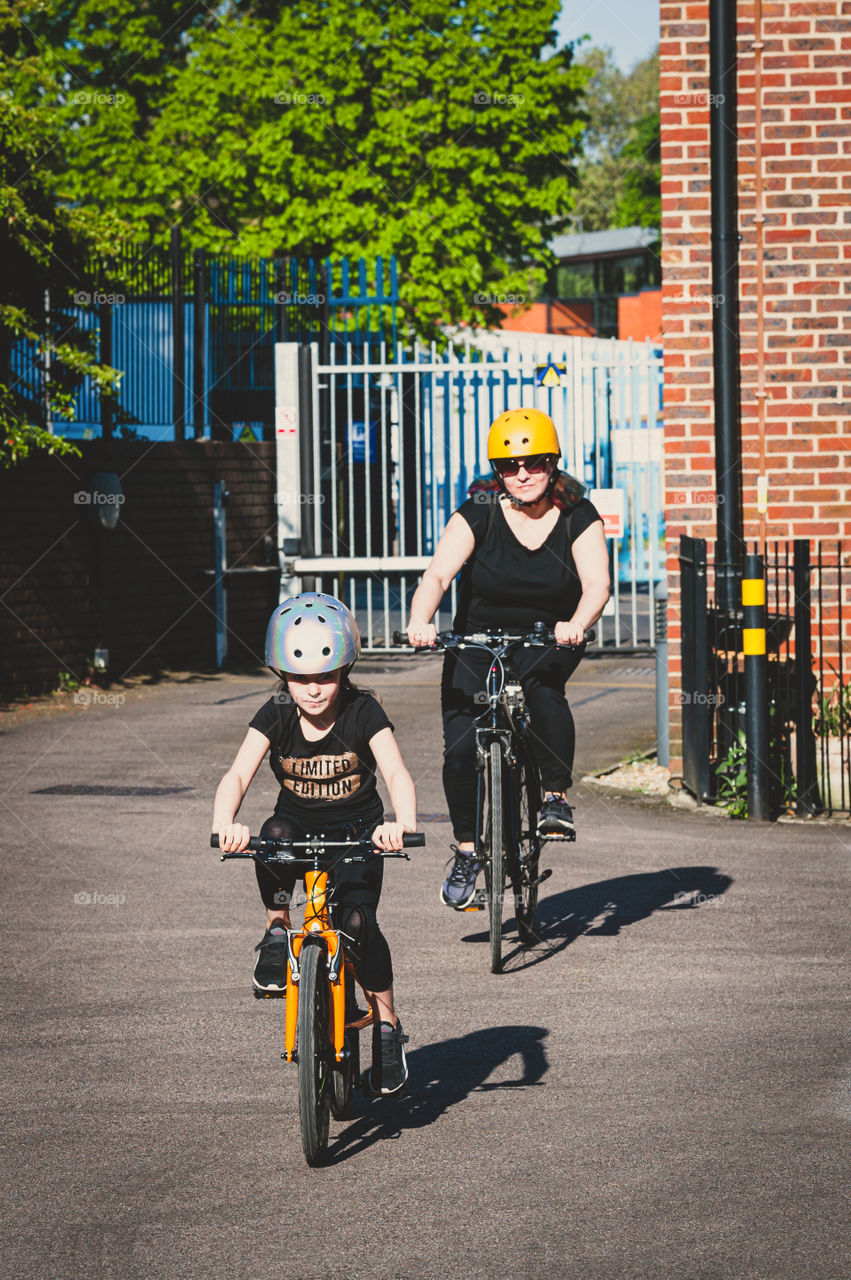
{"x":401,"y":637}
{"x":413,"y":839}
{"x":255,"y":844}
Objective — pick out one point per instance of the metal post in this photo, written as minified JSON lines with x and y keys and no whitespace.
{"x":806,"y":785}
{"x":663,"y":732}
{"x":756,"y":688}
{"x":199,"y":334}
{"x":178,"y":337}
{"x":105,"y":357}
{"x":725,"y":298}
{"x":695,"y":668}
{"x":288,"y":410}
{"x":220,"y":564}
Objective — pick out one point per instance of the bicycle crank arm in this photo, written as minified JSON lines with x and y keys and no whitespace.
{"x":545,"y":875}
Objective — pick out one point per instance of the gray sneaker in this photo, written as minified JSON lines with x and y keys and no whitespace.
{"x":459,"y":887}
{"x":393,"y":1071}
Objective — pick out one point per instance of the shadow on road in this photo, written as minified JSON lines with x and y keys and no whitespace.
{"x":602,"y":909}
{"x":443,"y":1075}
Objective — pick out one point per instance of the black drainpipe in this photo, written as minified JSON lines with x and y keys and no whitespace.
{"x":725,"y":300}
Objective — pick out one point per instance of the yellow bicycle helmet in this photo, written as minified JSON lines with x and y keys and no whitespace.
{"x":520,"y":433}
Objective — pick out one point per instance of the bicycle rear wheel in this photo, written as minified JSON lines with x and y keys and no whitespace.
{"x":345,"y":1073}
{"x":495,"y":855}
{"x":314,"y":1027}
{"x":528,"y":849}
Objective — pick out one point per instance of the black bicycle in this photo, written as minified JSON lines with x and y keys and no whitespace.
{"x":508,"y":789}
{"x":322,"y":1021}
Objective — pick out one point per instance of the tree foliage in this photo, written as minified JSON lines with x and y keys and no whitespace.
{"x":444,"y":134}
{"x":43,"y":247}
{"x":620,"y":175}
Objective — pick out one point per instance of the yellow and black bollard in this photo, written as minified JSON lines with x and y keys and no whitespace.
{"x":756,"y":688}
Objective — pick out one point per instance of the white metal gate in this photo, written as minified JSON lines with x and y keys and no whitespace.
{"x":374,"y":457}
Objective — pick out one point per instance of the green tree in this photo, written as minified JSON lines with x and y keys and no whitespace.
{"x":620,"y":174}
{"x":43,"y":247}
{"x":445,"y":135}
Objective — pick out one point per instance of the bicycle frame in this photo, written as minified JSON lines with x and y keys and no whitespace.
{"x":505,"y":722}
{"x":317,"y":927}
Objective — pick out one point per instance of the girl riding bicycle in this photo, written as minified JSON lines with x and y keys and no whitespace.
{"x":326,"y":739}
{"x":531,"y":549}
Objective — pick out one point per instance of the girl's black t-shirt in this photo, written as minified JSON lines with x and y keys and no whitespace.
{"x":505,"y":584}
{"x":336,"y":774}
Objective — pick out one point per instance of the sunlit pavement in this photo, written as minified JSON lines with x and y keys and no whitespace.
{"x":657,"y":1089}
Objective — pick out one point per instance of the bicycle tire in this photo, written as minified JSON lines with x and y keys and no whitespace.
{"x":314,"y":1086}
{"x":495,"y":856}
{"x":528,"y":849}
{"x":345,"y":1073}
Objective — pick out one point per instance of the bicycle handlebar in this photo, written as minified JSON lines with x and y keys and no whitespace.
{"x":282,"y":850}
{"x":540,"y":635}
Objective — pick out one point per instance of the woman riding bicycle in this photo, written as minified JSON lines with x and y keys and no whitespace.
{"x":531,"y":549}
{"x":326,"y":739}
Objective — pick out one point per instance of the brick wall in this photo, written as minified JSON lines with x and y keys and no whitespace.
{"x":146,"y":577}
{"x":806,"y":100}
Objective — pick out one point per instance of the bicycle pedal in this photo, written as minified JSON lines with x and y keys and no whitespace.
{"x":480,"y":901}
{"x":556,"y":839}
{"x":268,"y":995}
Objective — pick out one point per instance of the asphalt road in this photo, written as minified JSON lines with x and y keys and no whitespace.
{"x":658,"y":1090}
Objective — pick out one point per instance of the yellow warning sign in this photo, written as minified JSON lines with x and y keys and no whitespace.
{"x":550,"y":375}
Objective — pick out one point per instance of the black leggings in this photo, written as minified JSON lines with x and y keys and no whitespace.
{"x":356,"y":890}
{"x":543,"y":674}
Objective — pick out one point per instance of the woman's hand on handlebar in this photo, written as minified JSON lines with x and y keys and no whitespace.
{"x":569,"y":633}
{"x":389,"y":835}
{"x":234,"y":837}
{"x":421,"y":635}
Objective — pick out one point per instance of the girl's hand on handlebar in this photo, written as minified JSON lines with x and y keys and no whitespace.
{"x":389,"y":835}
{"x":569,"y":633}
{"x":234,"y":838}
{"x":421,"y":634}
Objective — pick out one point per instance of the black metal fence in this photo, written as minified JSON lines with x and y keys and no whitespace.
{"x":809,"y":694}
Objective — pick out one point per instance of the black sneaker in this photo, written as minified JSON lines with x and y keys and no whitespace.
{"x":556,"y":820}
{"x":459,"y":887}
{"x":394,"y":1066}
{"x":270,"y":968}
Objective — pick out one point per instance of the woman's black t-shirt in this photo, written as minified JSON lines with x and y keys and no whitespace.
{"x":336,"y":774}
{"x":505,"y":584}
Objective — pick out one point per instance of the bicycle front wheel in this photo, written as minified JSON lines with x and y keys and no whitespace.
{"x":529,"y":849}
{"x":314,"y":1038}
{"x":495,"y":855}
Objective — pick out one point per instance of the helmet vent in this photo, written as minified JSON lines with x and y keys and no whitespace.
{"x":296,"y":622}
{"x":297,"y":653}
{"x":525,"y":439}
{"x":319,"y":616}
{"x":325,"y":652}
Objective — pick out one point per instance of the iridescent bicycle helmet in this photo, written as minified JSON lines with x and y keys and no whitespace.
{"x":310,"y":635}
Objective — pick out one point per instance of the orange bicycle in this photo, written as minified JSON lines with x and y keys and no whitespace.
{"x":322,"y":1023}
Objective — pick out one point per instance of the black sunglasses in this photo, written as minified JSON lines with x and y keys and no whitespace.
{"x":537,"y":464}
